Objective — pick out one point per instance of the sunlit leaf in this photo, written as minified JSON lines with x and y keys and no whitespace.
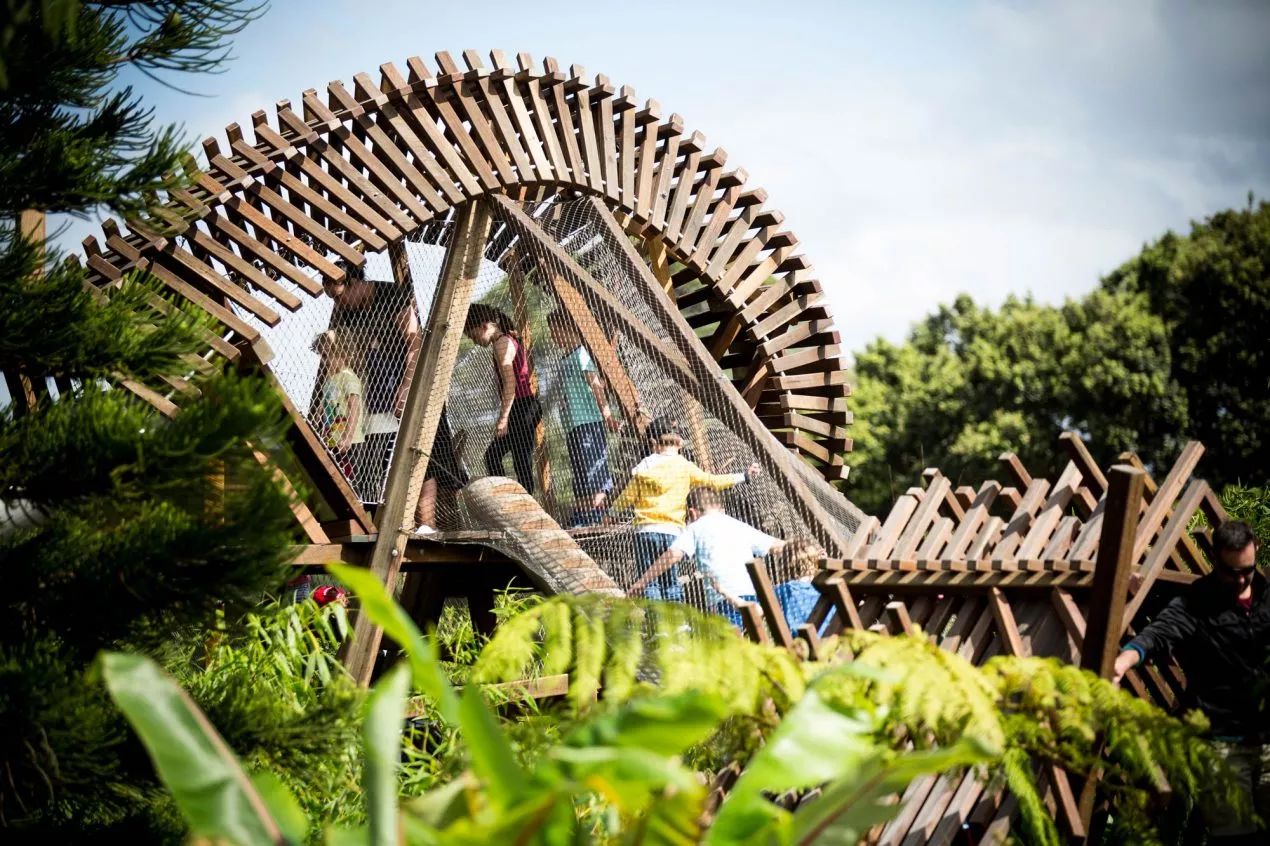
{"x":213,"y":793}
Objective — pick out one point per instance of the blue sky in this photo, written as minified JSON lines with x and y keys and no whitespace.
{"x":918,"y":150}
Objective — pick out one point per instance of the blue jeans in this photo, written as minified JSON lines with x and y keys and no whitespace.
{"x":648,"y":548}
{"x":589,"y":460}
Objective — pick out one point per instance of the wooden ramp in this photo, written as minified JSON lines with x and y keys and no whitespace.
{"x":528,"y":534}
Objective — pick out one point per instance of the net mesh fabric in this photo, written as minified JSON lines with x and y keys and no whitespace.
{"x":584,"y":342}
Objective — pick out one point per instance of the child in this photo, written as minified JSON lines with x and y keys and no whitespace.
{"x":340,"y":421}
{"x":722,"y":546}
{"x":799,"y":596}
{"x":658,"y":494}
{"x":584,"y":415}
{"x":519,"y":409}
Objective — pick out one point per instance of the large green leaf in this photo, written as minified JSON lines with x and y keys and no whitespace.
{"x":212,"y":791}
{"x":814,"y":744}
{"x":283,"y":807}
{"x":381,"y":740}
{"x":489,"y":750}
{"x":377,"y":604}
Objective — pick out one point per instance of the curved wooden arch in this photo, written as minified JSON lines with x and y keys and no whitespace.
{"x":363,"y":169}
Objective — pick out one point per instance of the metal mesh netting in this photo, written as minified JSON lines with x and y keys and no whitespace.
{"x":569,"y":380}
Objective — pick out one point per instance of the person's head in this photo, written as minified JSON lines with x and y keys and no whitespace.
{"x":802,"y":557}
{"x":1236,"y":548}
{"x":326,"y":594}
{"x":664,"y":435}
{"x":485,"y":323}
{"x":703,"y":501}
{"x":563,"y":333}
{"x":353,"y":291}
{"x":332,"y":346}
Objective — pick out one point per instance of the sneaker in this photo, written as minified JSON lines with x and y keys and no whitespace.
{"x":424,"y":530}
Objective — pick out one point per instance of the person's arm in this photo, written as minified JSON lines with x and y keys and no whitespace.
{"x":627,"y":497}
{"x":664,"y":562}
{"x":600,"y":391}
{"x":407,"y":324}
{"x":354,"y":402}
{"x":1173,"y":625}
{"x":504,"y":352}
{"x":717,"y":481}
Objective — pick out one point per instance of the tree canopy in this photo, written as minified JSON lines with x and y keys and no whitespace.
{"x":1168,"y":348}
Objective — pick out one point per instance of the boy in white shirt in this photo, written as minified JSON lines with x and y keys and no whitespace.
{"x":722,"y":546}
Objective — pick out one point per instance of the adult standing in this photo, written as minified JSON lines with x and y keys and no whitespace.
{"x":1219,"y":631}
{"x":381,"y":320}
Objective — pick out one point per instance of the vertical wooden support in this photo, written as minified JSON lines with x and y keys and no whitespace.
{"x":420,"y":419}
{"x":1111,"y":570}
{"x":1110,"y":590}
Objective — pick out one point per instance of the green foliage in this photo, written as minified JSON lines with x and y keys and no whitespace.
{"x":1036,"y":711}
{"x":1252,"y":506}
{"x":284,"y":703}
{"x":1211,"y":289}
{"x":634,"y":647}
{"x":1169,"y":348}
{"x":971,"y":383}
{"x":140,"y":528}
{"x":214,"y":793}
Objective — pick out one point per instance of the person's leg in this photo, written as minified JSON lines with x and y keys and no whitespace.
{"x":1224,"y":827}
{"x":648,"y":548}
{"x":523,"y":431}
{"x":497,"y":451}
{"x":599,"y":479}
{"x":589,"y":464}
{"x":426,"y":507}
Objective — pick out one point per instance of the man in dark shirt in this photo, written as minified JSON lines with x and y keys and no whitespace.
{"x":1219,"y":630}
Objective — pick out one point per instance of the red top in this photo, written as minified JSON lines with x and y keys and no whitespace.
{"x":1244,"y":603}
{"x":520,"y":369}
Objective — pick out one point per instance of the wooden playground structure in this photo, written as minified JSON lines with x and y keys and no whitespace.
{"x":304,"y":195}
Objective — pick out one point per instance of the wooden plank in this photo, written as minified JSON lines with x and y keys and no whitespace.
{"x":1162,"y":503}
{"x":320,"y":179}
{"x":752,"y":620}
{"x":421,"y":417}
{"x":1092,"y":474}
{"x":1164,"y":546}
{"x":767,"y":600}
{"x":1111,"y":574}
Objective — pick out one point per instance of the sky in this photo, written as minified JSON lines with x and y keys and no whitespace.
{"x":918,"y":150}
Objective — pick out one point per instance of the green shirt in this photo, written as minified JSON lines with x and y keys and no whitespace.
{"x":577,"y":406}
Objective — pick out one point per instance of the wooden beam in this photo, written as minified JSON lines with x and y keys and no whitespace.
{"x":421,"y":417}
{"x":722,"y":399}
{"x":1111,"y":572}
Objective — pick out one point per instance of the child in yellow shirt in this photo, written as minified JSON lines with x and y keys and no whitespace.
{"x":658,"y":494}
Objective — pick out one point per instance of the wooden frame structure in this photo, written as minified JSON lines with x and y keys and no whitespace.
{"x":358,"y":170}
{"x":1030,"y":567}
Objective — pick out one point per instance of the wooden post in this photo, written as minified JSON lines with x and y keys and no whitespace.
{"x":419,"y":421}
{"x":1110,"y":591}
{"x":1111,"y":570}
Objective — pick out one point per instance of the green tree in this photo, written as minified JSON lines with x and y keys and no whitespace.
{"x":971,"y":383}
{"x":1170,"y":347}
{"x":118,"y":525}
{"x":1212,"y":290}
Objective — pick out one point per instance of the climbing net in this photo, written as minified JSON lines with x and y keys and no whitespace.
{"x":573,"y":380}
